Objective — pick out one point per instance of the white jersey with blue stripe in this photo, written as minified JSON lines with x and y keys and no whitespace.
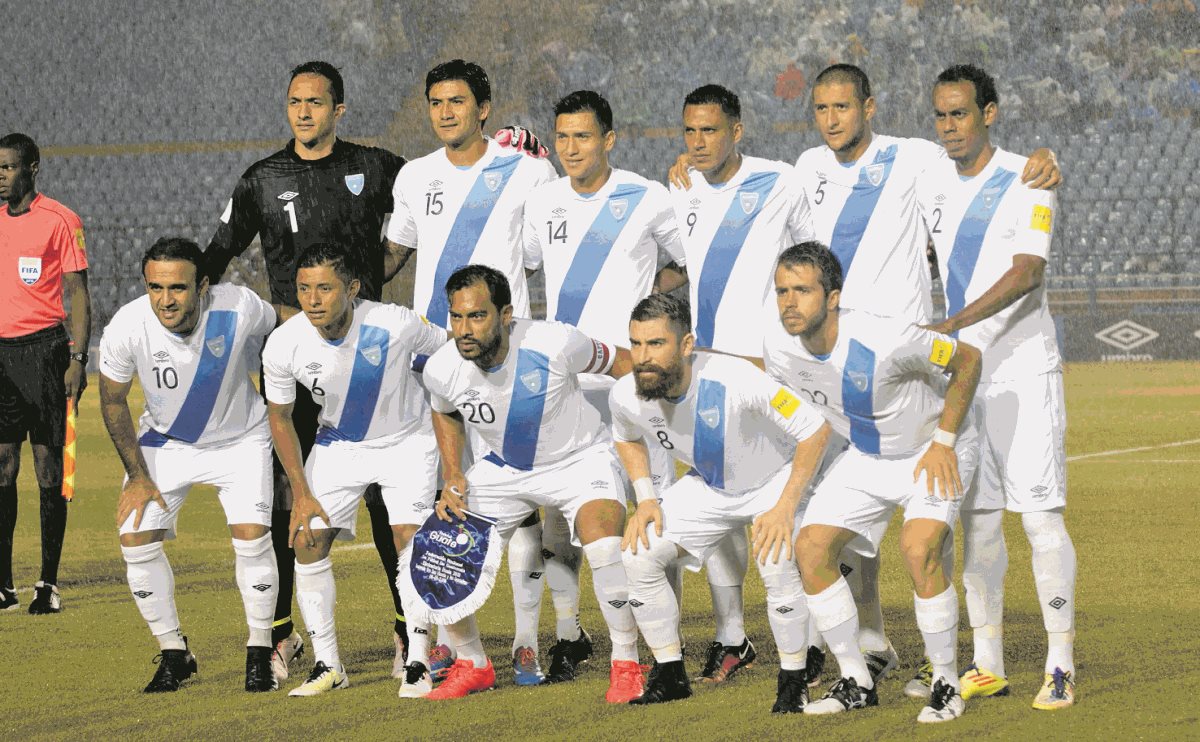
{"x":982,"y":222}
{"x":882,"y":387}
{"x":198,"y":387}
{"x":363,"y":382}
{"x":732,"y":234}
{"x":735,"y":426}
{"x":867,"y":213}
{"x":455,"y":216}
{"x":600,"y":251}
{"x":529,"y":409}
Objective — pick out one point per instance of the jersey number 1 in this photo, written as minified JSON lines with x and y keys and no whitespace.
{"x":290,"y":208}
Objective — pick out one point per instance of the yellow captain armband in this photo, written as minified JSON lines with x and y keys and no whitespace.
{"x":1042,"y":219}
{"x":785,"y":403}
{"x":941,"y":353}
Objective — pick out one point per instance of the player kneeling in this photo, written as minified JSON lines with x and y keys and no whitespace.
{"x":191,"y":347}
{"x":355,"y":356}
{"x":738,"y":430}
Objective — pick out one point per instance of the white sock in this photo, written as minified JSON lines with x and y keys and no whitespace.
{"x":654,"y":605}
{"x":726,"y":571}
{"x":562,"y":560}
{"x":464,"y":636}
{"x":1054,"y":568}
{"x":937,"y":618}
{"x":258,"y":581}
{"x":443,"y":639}
{"x":787,"y":611}
{"x":525,"y":571}
{"x":837,"y":618}
{"x":985,"y":562}
{"x":862,"y":574}
{"x":316,"y":594}
{"x":418,"y":641}
{"x":153,"y":586}
{"x":612,"y":592}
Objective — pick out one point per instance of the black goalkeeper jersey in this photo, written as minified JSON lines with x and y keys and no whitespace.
{"x":293,"y":203}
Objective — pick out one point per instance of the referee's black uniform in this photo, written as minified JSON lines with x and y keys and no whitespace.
{"x":291,"y":203}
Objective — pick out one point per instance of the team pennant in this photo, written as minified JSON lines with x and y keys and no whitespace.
{"x":448,"y":571}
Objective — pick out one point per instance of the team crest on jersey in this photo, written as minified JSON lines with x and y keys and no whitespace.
{"x":875,"y":173}
{"x":492,"y":180}
{"x":30,"y":270}
{"x":373,"y":354}
{"x":355,"y":183}
{"x":859,"y":379}
{"x":748,"y":200}
{"x":216,"y":346}
{"x":711,"y":417}
{"x":989,"y":197}
{"x":532,"y":381}
{"x":285,"y":196}
{"x":618,"y":208}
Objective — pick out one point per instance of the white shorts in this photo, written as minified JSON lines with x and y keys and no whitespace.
{"x":508,"y":495}
{"x":859,"y":492}
{"x":404,"y":466}
{"x":240,"y":470}
{"x":696,"y":517}
{"x":1023,"y":465}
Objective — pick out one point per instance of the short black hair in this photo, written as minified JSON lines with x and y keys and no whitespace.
{"x":469,"y":275}
{"x":814,"y":254}
{"x":327,"y":253}
{"x":586,"y":100}
{"x":326,"y":70}
{"x":175,"y":248}
{"x":715,"y":95}
{"x":24,"y":146}
{"x":677,"y":312}
{"x":846,"y":73}
{"x":457,"y":69}
{"x":985,"y":86}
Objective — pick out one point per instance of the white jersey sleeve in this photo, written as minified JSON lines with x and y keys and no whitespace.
{"x":402,"y":227}
{"x":118,"y":357}
{"x":531,"y":243}
{"x":665,"y":228}
{"x":279,"y":379}
{"x":585,"y":355}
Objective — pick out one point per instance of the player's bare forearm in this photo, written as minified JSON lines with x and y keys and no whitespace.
{"x":635,"y":457}
{"x":622,"y":364}
{"x":805,"y":461}
{"x":114,"y":410}
{"x":79,"y":316}
{"x":394,"y":259}
{"x":965,"y":367}
{"x":671,"y":277}
{"x":284,"y":312}
{"x":451,"y":433}
{"x":1024,"y":276}
{"x":758,"y":362}
{"x":287,"y":446}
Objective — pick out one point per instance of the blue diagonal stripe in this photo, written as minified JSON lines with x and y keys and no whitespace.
{"x":708,"y":441}
{"x":858,"y":397}
{"x":366,"y":381}
{"x":968,"y":242}
{"x":468,"y":227}
{"x":197,"y":407}
{"x":525,"y":409}
{"x":723,"y":252}
{"x":594,"y":249}
{"x":856,"y":212}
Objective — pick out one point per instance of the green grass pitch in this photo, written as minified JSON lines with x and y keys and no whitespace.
{"x":79,"y":675}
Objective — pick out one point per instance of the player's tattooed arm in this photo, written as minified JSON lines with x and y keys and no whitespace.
{"x":139,"y":490}
{"x":1025,"y":275}
{"x":450,"y":430}
{"x":287,"y":446}
{"x":939,"y":463}
{"x":1041,"y":171}
{"x":670,"y":277}
{"x":635,"y":457}
{"x":678,"y":174}
{"x":771,"y":532}
{"x":79,"y":323}
{"x":394,"y":258}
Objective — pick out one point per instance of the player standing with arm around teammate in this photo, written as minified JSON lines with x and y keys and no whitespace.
{"x":355,"y":357}
{"x":880,"y":381}
{"x":738,"y":430}
{"x":192,"y":347}
{"x":42,"y":364}
{"x":516,"y":382}
{"x":993,"y":238}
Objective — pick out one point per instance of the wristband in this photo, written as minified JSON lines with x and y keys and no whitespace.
{"x":643,"y":489}
{"x":944,"y":438}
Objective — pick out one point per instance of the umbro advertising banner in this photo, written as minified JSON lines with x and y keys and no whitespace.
{"x":1132,"y":335}
{"x":448,"y":571}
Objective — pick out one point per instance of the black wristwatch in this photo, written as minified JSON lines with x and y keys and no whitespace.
{"x":81,"y":357}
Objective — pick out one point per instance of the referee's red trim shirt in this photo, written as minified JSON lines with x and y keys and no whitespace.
{"x":36,"y":249}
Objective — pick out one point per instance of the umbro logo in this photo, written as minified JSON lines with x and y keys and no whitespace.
{"x":933,"y":500}
{"x":635,"y":603}
{"x":535,"y":575}
{"x":1040,"y":492}
{"x":695,"y":202}
{"x":314,"y":367}
{"x":162,"y":356}
{"x":784,"y":610}
{"x":940,"y":198}
{"x":471,"y":393}
{"x":287,"y":195}
{"x":599,"y":484}
{"x":547,"y":554}
{"x":1057,"y":603}
{"x":142,"y":594}
{"x":618,"y":604}
{"x":657,"y":422}
{"x":261,"y":588}
{"x":419,"y":506}
{"x":559,"y":212}
{"x":435,"y":184}
{"x":845,"y":569}
{"x":262,"y":507}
